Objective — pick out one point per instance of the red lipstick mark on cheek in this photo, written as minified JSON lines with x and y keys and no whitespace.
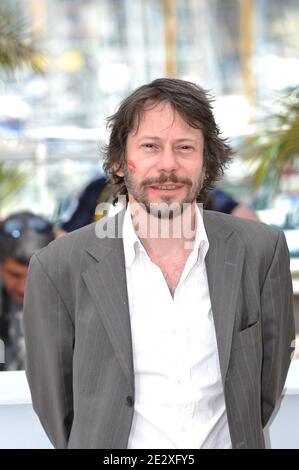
{"x":131,"y":166}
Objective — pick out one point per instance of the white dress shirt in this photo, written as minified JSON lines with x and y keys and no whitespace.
{"x":179,"y":399}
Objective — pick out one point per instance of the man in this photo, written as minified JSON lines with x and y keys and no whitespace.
{"x":21,"y":234}
{"x":165,"y":326}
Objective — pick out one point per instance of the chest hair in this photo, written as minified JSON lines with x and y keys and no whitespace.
{"x":172,"y":270}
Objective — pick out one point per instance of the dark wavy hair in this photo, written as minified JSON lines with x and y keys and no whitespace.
{"x":192,"y":102}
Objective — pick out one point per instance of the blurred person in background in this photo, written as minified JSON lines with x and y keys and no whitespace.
{"x":21,"y":235}
{"x":84,"y":212}
{"x":220,"y":201}
{"x":151,"y":341}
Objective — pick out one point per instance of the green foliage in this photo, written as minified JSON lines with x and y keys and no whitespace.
{"x":12,"y":179}
{"x":17,"y":48}
{"x":276,"y":145}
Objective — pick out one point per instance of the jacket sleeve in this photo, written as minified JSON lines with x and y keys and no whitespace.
{"x":278,"y":328}
{"x":49,"y":337}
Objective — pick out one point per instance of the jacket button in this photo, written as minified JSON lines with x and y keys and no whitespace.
{"x":130,"y":401}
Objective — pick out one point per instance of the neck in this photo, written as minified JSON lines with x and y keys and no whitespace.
{"x":164,"y":238}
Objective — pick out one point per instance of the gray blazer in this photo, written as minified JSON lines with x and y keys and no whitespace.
{"x":78,"y":336}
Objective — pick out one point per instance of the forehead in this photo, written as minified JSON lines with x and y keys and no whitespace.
{"x":11,"y":265}
{"x":162,"y":118}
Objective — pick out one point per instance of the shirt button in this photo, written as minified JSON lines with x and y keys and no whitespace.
{"x":130,"y":401}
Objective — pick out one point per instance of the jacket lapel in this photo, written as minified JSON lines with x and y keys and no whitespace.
{"x":106,"y":282}
{"x":224,"y":263}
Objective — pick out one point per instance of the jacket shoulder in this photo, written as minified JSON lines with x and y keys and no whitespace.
{"x":67,"y":245}
{"x":254,"y":234}
{"x":240,"y":224}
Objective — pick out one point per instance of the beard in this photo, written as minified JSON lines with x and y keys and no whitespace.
{"x":166,"y":209}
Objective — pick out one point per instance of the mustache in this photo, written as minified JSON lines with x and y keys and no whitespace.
{"x":166,"y":179}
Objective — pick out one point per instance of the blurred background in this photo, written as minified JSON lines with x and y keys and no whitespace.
{"x":66,"y":64}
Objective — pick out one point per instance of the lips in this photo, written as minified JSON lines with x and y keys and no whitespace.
{"x":166,"y":187}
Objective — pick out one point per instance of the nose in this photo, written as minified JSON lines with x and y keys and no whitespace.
{"x":167,"y":161}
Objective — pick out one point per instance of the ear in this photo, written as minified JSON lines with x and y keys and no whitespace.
{"x":120,"y":173}
{"x":118,"y":170}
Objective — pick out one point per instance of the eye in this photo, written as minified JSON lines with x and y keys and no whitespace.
{"x":148,"y":146}
{"x":186,"y":148}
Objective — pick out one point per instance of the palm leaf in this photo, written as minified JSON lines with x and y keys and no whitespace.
{"x":276,"y":145}
{"x":16,"y":50}
{"x":17,"y":47}
{"x":12,"y":179}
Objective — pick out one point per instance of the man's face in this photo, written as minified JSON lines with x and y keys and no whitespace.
{"x":14,"y":277}
{"x":164,"y":160}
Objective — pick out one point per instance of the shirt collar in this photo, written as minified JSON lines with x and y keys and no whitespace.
{"x":133,"y":246}
{"x":201,"y":244}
